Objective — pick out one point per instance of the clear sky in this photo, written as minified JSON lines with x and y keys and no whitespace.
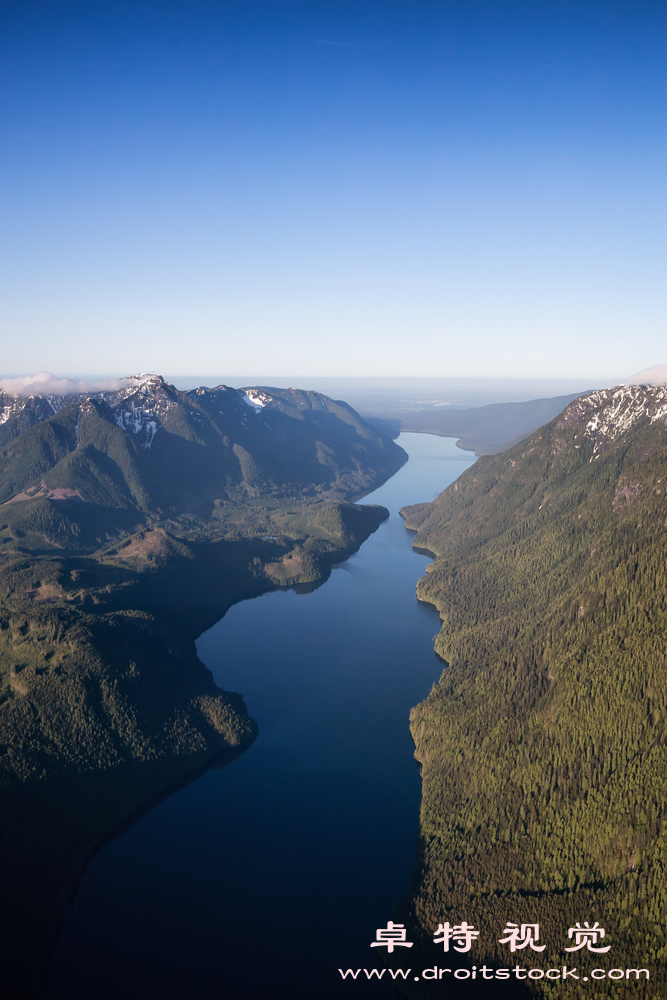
{"x":358,"y":187}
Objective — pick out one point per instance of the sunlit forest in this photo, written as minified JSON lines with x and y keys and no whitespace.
{"x":542,"y":746}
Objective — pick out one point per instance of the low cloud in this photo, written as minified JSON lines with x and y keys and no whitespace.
{"x":44,"y":383}
{"x":657,"y":375}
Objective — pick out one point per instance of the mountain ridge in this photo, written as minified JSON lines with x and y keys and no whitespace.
{"x":149,"y":451}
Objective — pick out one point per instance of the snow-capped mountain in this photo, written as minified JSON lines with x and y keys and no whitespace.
{"x":148,"y":447}
{"x":605,"y":415}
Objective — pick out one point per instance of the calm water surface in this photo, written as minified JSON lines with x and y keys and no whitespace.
{"x":261,"y":879}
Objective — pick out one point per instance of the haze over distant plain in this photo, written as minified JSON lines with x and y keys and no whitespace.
{"x":376,"y":189}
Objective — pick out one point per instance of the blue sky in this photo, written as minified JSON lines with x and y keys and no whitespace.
{"x":318,"y":188}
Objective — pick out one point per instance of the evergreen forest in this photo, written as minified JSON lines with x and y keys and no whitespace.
{"x":542,"y":747}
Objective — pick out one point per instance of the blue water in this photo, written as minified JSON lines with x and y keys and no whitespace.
{"x":261,"y":879}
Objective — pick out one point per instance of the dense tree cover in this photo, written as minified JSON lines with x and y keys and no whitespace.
{"x":542,"y":746}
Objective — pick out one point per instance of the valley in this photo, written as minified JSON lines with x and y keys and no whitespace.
{"x":540,"y":747}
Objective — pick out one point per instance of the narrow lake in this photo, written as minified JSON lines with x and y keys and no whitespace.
{"x":263,"y":878}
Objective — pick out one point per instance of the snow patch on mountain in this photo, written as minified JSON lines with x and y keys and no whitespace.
{"x":613,"y":412}
{"x":141,"y":404}
{"x":145,"y":380}
{"x":7,"y":412}
{"x":139,"y":421}
{"x":255,"y":399}
{"x":139,"y":407}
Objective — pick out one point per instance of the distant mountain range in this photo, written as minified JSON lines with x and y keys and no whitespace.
{"x":483,"y":429}
{"x":543,"y":746}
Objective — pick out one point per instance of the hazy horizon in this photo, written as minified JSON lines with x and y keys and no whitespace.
{"x":363,"y":393}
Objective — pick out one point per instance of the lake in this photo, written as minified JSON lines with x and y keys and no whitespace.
{"x":264,"y":877}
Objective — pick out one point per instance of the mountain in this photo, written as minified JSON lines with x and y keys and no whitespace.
{"x":483,"y":429}
{"x":130,"y":520}
{"x":84,"y":469}
{"x":542,"y":746}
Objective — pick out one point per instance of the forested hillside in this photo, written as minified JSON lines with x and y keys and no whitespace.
{"x":129,"y":522}
{"x":542,"y":746}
